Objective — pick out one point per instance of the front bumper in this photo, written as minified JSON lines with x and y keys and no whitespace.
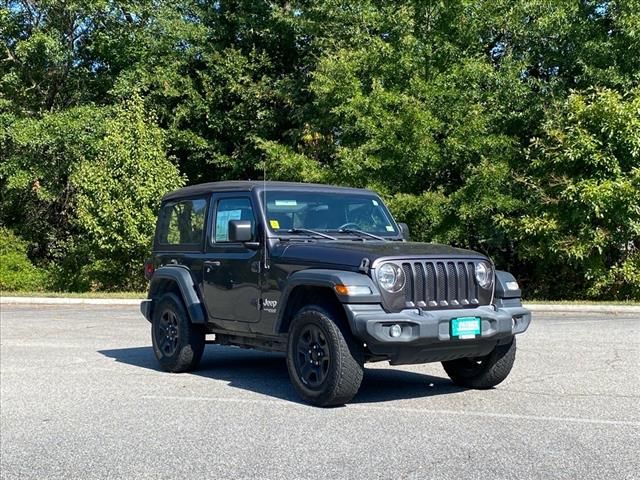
{"x":426,"y":335}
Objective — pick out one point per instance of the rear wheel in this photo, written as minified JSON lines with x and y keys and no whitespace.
{"x":325,"y":364}
{"x":483,"y":372}
{"x":177,"y":343}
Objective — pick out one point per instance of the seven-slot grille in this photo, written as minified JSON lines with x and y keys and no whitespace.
{"x":440,"y":284}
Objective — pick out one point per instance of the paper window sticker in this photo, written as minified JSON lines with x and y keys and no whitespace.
{"x":274,"y":224}
{"x":222,"y":223}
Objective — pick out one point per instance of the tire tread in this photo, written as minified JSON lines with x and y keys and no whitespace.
{"x":497,"y":368}
{"x":349,"y":357}
{"x":190,"y":353}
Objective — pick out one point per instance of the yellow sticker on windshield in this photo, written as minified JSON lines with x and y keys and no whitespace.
{"x":274,"y":224}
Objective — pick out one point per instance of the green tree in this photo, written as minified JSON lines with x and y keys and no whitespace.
{"x":87,"y":208}
{"x":39,"y":156}
{"x":582,"y":215}
{"x":450,"y":109}
{"x":16,"y":270}
{"x":117,"y":198}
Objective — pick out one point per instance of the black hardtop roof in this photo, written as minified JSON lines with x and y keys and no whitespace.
{"x":248,"y":185}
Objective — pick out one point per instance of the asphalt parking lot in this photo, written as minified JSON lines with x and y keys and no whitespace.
{"x":81,"y":397}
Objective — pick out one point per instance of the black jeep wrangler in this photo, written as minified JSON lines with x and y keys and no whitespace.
{"x":325,"y":275}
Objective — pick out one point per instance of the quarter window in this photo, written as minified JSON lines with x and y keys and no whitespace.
{"x":182,"y":222}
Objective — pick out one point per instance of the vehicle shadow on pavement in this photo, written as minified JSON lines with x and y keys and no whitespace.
{"x":383,"y":385}
{"x":266,"y":373}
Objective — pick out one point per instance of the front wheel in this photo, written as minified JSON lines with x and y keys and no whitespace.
{"x":325,"y":364}
{"x":483,"y":372}
{"x":177,"y":343}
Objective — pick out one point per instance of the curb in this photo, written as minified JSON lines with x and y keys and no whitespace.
{"x":68,"y":301}
{"x":535,"y":308}
{"x":584,"y":308}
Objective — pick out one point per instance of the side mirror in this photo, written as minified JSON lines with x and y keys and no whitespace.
{"x":240,"y":231}
{"x":404,"y":230}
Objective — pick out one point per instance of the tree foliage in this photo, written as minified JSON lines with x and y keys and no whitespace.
{"x":82,"y":187}
{"x":16,"y":270}
{"x":583,"y":193}
{"x":117,"y":195}
{"x":510,"y":127}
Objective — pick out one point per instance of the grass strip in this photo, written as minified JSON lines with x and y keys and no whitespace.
{"x":108,"y":295}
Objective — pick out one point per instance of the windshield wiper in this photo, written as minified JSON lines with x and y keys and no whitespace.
{"x":311,"y":232}
{"x":362,"y":233}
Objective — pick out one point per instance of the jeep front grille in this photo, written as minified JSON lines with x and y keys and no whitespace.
{"x":447,"y":284}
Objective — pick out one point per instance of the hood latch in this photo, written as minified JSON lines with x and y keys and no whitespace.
{"x":364,"y":265}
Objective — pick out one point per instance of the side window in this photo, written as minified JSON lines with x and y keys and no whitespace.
{"x":231,"y":209}
{"x":182,"y":222}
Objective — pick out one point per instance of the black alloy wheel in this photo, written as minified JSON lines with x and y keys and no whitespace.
{"x":177,"y":342}
{"x":167,"y":334}
{"x":324,"y":361}
{"x":313,"y":356}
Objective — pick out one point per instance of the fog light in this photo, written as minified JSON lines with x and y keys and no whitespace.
{"x":395,"y":331}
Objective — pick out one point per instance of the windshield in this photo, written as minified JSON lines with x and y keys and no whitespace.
{"x":328,"y":212}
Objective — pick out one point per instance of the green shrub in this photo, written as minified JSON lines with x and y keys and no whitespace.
{"x":89,"y":211}
{"x":117,"y":196}
{"x":16,"y":270}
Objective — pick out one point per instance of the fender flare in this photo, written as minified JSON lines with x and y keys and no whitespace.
{"x":502,"y":278}
{"x":327,"y":278}
{"x":505,"y":297}
{"x":181,"y":276}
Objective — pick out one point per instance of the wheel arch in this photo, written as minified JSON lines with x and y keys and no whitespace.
{"x":313,"y":286}
{"x":177,"y":280}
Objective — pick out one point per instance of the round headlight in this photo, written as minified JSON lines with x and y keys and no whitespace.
{"x":390,"y":277}
{"x":484,"y":274}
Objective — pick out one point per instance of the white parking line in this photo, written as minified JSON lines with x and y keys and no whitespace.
{"x":387,"y":408}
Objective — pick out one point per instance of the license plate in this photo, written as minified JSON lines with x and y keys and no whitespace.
{"x":465,"y":327}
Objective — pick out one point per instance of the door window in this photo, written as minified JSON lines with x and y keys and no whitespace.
{"x":231,"y":209}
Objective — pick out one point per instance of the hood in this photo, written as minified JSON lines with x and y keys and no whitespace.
{"x":351,"y":253}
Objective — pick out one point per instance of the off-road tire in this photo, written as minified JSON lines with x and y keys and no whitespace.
{"x":184,"y":350}
{"x":483,"y":372}
{"x":344,"y":369}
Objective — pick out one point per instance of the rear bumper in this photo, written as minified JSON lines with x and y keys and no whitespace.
{"x":145,"y":308}
{"x":426,"y":334}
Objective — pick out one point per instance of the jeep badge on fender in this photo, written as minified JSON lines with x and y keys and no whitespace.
{"x":327,"y":276}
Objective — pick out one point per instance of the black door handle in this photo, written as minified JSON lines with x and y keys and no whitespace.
{"x":209,"y":265}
